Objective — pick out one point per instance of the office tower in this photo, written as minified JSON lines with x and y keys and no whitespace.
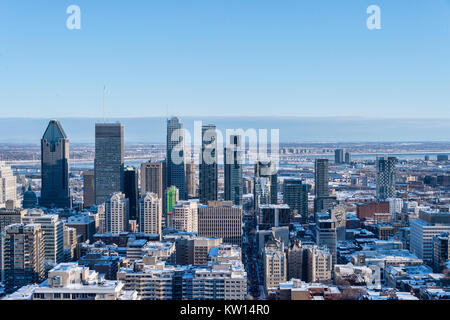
{"x":152,"y":178}
{"x":194,"y":250}
{"x":274,"y":264}
{"x":295,"y":264}
{"x":339,"y":215}
{"x":53,"y":231}
{"x":321,"y":178}
{"x":150,"y":213}
{"x":172,"y":197}
{"x":441,"y":252}
{"x":109,"y":160}
{"x":185,"y":216}
{"x":295,"y":195}
{"x":176,"y":171}
{"x":323,"y":201}
{"x":262,"y":192}
{"x":88,"y":189}
{"x":23,"y":255}
{"x":348,"y":157}
{"x":84,"y":224}
{"x":131,"y":191}
{"x":101,"y":217}
{"x":270,"y":171}
{"x":423,"y":230}
{"x":274,"y":215}
{"x":208,"y":188}
{"x":8,"y":184}
{"x":191,"y":185}
{"x":320,"y":264}
{"x":233,"y":157}
{"x":442,"y":157}
{"x":117,"y":213}
{"x":221,"y":219}
{"x":10,"y":216}
{"x":339,"y":156}
{"x":326,"y":236}
{"x":386,"y":178}
{"x":70,"y":243}
{"x":29,"y":199}
{"x":55,"y":167}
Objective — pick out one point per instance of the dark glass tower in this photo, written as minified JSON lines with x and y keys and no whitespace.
{"x":109,"y":160}
{"x":268,"y":170}
{"x":295,"y":194}
{"x":131,"y":191}
{"x":321,"y":178}
{"x":233,"y":170}
{"x":55,"y":167}
{"x":208,"y":165}
{"x":323,"y":201}
{"x":176,"y":175}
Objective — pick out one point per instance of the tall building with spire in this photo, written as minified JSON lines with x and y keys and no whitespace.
{"x":55,"y":167}
{"x":109,"y":160}
{"x":176,"y":171}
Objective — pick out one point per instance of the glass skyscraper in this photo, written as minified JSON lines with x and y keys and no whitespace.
{"x":109,"y":160}
{"x":55,"y":167}
{"x":176,"y":175}
{"x":208,"y":188}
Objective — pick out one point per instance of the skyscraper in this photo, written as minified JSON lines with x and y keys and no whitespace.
{"x":190,"y":180}
{"x":268,"y":170}
{"x":150,"y":213}
{"x":221,"y":219}
{"x":172,"y":196}
{"x":322,"y":201}
{"x":152,"y":178}
{"x":348,"y":157}
{"x":339,"y":156}
{"x":55,"y":167}
{"x":116,"y":213}
{"x":208,"y":188}
{"x":321,"y":178}
{"x":295,"y":194}
{"x":233,"y":170}
{"x":109,"y":160}
{"x":23,"y":255}
{"x":131,"y":191}
{"x":386,"y":177}
{"x":176,"y":175}
{"x":53,"y":234}
{"x":88,"y":189}
{"x":326,"y":236}
{"x":8,"y":184}
{"x":185,"y":216}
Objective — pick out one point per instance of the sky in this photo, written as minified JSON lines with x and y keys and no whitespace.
{"x":288,"y":58}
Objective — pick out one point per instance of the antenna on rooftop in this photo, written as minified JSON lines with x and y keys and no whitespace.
{"x":104,"y":98}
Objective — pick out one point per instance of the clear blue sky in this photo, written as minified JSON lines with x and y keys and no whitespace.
{"x":225,"y":57}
